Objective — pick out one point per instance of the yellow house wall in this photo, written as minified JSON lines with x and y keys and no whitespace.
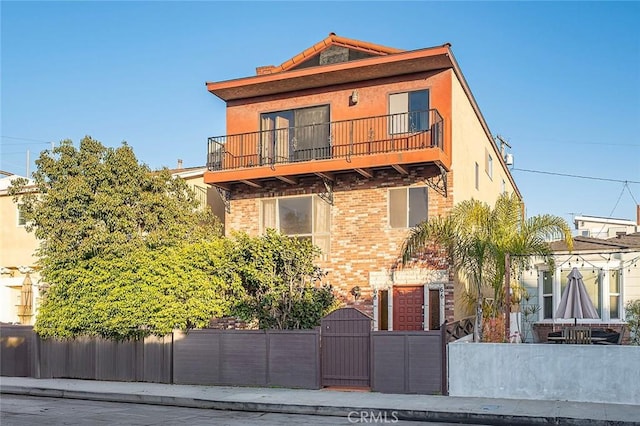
{"x":470,"y":143}
{"x":17,"y":248}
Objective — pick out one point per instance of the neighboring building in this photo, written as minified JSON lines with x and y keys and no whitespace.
{"x":205,"y":194}
{"x":350,"y":144}
{"x":611,"y":273}
{"x":604,"y":227}
{"x":19,"y":279}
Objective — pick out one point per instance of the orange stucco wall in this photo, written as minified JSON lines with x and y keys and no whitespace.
{"x":244,"y":116}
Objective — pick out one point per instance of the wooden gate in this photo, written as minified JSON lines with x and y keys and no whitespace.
{"x":345,"y":342}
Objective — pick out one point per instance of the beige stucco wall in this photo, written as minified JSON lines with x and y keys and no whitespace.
{"x":17,"y":249}
{"x":17,"y":246}
{"x":469,"y":145}
{"x":206,"y":194}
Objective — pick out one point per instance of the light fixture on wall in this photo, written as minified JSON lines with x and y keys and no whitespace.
{"x":355,"y":292}
{"x":354,"y":97}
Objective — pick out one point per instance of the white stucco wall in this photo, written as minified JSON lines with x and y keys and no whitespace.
{"x":586,"y":373}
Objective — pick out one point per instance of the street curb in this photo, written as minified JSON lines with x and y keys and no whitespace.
{"x":384,"y":415}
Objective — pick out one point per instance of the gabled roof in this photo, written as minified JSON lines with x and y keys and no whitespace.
{"x":619,"y":243}
{"x":332,"y":40}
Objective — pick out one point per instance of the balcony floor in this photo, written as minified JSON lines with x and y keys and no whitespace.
{"x":362,"y":164}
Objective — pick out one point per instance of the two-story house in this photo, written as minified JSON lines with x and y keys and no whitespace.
{"x":350,"y":144}
{"x":19,"y":277}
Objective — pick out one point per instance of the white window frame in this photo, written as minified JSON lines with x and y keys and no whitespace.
{"x":544,"y":295}
{"x":603,"y":269}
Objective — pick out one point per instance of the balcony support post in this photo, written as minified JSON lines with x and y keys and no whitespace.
{"x":328,"y":194}
{"x":439,"y":182}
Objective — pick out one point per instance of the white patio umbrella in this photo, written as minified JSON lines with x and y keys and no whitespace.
{"x":575,"y":302}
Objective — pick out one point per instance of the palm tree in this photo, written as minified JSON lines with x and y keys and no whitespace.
{"x":477,"y":239}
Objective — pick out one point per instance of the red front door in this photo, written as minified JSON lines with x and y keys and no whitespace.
{"x":407,"y":308}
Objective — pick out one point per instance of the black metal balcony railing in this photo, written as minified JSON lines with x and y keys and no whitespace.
{"x":335,"y":139}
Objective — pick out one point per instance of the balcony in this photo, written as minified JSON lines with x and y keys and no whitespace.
{"x":394,"y":140}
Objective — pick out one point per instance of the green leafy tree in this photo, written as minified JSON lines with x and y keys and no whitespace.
{"x":632,"y":309}
{"x":477,"y":237}
{"x":105,"y":222}
{"x":282,"y":284}
{"x":147,"y":291}
{"x":98,"y":200}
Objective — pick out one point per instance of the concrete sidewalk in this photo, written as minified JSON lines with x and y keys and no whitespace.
{"x":332,"y":402}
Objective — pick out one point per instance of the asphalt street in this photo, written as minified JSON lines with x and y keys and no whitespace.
{"x":27,"y":411}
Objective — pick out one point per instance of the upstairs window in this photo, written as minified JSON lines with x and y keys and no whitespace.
{"x":488,"y":164}
{"x":22,"y":221}
{"x":407,"y":207}
{"x":409,"y":112}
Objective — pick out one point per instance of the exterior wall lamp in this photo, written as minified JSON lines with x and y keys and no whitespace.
{"x":354,"y":97}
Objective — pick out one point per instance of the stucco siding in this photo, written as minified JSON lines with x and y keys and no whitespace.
{"x":470,"y":144}
{"x":17,"y":246}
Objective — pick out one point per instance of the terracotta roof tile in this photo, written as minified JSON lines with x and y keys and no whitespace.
{"x":331,"y":40}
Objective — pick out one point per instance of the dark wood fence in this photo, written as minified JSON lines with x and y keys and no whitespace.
{"x":408,"y":362}
{"x":399,"y":362}
{"x":148,"y":360}
{"x":287,"y":358}
{"x":17,"y":351}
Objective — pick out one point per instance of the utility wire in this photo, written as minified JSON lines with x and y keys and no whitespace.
{"x":574,"y":176}
{"x":22,"y":139}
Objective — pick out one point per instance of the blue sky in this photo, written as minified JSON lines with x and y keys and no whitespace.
{"x":559,"y":80}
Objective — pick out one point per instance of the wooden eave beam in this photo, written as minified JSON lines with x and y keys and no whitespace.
{"x":252,"y":183}
{"x":224,"y":187}
{"x":326,"y":175}
{"x":368,"y":173}
{"x":403,"y":170}
{"x":288,"y":179}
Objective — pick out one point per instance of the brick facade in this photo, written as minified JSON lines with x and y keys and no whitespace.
{"x":362,"y":241}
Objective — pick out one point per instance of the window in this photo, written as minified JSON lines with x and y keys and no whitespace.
{"x":592,"y":282}
{"x":614,"y":294}
{"x":477,"y":175}
{"x":503,"y":186}
{"x":547,"y":294}
{"x":407,"y":206}
{"x":409,"y":112}
{"x":488,"y":164}
{"x":22,"y":221}
{"x":303,"y":217}
{"x":603,"y":286}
